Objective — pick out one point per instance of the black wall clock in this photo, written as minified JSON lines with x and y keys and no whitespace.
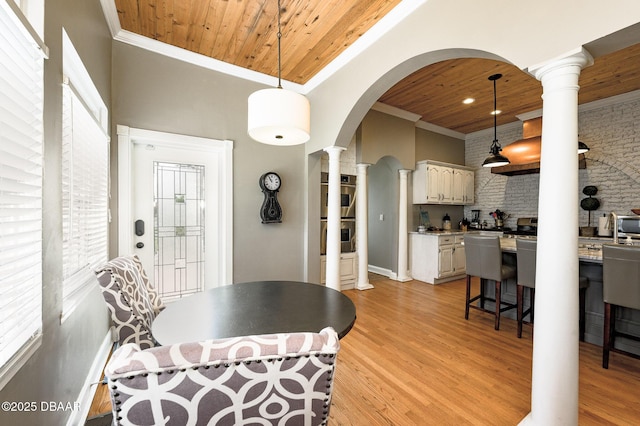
{"x":270,"y":212}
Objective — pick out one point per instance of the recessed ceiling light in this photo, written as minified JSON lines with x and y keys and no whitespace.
{"x":496,"y":112}
{"x":468,"y":101}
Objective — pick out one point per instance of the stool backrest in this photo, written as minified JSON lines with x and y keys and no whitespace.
{"x":483,"y":256}
{"x":621,"y":275}
{"x":526,"y":254}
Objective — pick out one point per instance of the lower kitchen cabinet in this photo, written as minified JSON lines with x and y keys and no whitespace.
{"x":348,"y":270}
{"x":436,"y":258}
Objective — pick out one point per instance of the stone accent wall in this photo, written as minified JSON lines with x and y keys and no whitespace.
{"x":612,"y":132}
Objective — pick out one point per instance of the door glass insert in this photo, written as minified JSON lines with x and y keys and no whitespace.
{"x":178,"y":229}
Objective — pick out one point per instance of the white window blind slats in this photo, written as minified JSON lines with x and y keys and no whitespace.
{"x":85,"y":195}
{"x":21,"y":103}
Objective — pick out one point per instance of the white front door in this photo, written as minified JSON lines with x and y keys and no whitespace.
{"x":179,"y":217}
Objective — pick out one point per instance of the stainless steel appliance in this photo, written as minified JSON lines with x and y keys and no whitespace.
{"x":347,"y":236}
{"x":347,"y":212}
{"x":625,"y":226}
{"x":525,"y":226}
{"x":347,"y":196}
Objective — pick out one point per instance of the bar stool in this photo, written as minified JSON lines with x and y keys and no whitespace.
{"x":484,"y":260}
{"x":526,"y":253}
{"x":620,"y":287}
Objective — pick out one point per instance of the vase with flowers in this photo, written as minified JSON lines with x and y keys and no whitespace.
{"x":499,"y":217}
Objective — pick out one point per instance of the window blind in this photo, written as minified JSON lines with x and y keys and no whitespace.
{"x":21,"y":136}
{"x":85,"y":196}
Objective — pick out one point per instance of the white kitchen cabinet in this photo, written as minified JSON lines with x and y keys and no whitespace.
{"x":348,"y":270}
{"x":468,"y":186}
{"x":441,"y":183}
{"x":459,"y":261}
{"x":436,"y":258}
{"x":458,"y":186}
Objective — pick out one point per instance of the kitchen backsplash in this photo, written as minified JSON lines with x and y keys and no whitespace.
{"x":612,"y":132}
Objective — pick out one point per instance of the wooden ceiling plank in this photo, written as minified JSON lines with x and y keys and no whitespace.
{"x":180,"y":22}
{"x":258,"y":20}
{"x":212,"y":26}
{"x":147,"y":17}
{"x":164,"y":21}
{"x":197,"y":22}
{"x":128,"y":15}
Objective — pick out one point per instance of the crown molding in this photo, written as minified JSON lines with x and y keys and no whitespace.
{"x":396,"y":112}
{"x":440,"y":130}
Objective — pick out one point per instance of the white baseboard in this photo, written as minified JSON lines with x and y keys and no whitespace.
{"x":382,"y":271}
{"x":88,"y":391}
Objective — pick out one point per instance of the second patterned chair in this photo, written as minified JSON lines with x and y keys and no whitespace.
{"x":132,"y":300}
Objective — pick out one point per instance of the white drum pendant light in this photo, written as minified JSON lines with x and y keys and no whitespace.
{"x":278,"y":116}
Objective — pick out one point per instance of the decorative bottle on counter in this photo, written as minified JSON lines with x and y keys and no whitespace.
{"x":446,"y":222}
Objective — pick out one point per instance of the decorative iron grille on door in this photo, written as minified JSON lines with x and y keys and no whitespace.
{"x":178,"y":229}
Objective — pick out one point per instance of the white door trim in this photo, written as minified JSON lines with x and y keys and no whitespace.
{"x":128,"y":137}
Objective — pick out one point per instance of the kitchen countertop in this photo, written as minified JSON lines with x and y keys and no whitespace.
{"x":589,"y":250}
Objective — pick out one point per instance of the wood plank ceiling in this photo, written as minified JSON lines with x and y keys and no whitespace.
{"x":314,"y":32}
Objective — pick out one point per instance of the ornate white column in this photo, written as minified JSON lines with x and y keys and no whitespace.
{"x":362,"y":228}
{"x":333,"y":219}
{"x":554,"y":385}
{"x":403,"y":236}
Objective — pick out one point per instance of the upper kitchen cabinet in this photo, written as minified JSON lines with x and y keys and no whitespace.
{"x":442,"y":183}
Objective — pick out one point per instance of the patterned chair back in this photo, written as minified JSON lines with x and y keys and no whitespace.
{"x":283,"y":379}
{"x":132,"y":300}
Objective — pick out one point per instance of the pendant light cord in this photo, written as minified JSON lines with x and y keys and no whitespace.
{"x":279,"y":37}
{"x":495,"y":113}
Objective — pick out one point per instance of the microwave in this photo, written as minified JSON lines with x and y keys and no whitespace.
{"x":625,"y":226}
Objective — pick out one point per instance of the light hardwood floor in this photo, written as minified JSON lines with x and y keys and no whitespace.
{"x":412,"y":359}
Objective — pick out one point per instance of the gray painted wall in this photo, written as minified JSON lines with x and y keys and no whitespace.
{"x":155,"y":92}
{"x":57,"y":371}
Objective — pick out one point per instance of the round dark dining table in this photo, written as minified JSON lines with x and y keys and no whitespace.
{"x":260,"y":307}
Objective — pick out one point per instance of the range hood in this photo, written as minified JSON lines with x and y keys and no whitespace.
{"x":525,"y":153}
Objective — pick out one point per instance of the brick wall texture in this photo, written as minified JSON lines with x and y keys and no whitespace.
{"x":613,"y":166}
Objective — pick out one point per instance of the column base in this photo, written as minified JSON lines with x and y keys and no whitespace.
{"x":404,"y":278}
{"x":364,"y":286}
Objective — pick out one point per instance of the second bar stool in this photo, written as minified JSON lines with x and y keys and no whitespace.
{"x":526,"y":253}
{"x":484,"y":260}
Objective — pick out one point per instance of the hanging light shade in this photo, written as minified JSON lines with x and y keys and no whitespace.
{"x":495,"y":159}
{"x":277,"y":116}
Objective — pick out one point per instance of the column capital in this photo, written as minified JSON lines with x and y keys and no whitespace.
{"x":404,"y":172}
{"x":578,"y":58}
{"x":334,"y":149}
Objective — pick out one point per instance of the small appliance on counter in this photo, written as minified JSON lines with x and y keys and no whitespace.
{"x":446,"y":222}
{"x":625,"y":227}
{"x":475,"y":219}
{"x":605,"y":228}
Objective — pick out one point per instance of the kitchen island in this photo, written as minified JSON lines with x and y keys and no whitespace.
{"x":590,"y":256}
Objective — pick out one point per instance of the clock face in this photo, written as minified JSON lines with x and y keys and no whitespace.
{"x":272,"y":181}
